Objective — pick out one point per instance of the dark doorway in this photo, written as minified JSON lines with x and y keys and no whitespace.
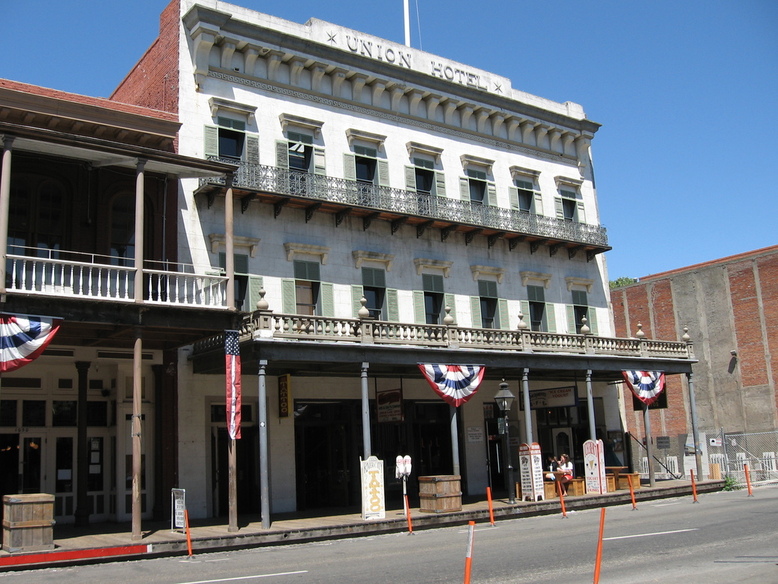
{"x":247,"y":455}
{"x":328,"y":444}
{"x":9,"y":463}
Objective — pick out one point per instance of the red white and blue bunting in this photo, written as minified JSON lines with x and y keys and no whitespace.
{"x":23,"y":338}
{"x":646,"y":385}
{"x":454,"y":383}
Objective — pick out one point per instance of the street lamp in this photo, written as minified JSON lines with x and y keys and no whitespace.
{"x":504,"y":399}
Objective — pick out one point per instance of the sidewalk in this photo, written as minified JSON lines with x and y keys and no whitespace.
{"x":112,"y":541}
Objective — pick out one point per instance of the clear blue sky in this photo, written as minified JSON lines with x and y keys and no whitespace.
{"x":686,"y":92}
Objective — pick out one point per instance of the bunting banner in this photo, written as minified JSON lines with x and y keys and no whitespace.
{"x":232,"y":373}
{"x":456,"y":384}
{"x":23,"y":338}
{"x":646,"y":385}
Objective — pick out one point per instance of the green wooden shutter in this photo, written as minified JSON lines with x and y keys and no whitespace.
{"x":356,"y":296}
{"x":440,"y":184}
{"x":538,"y":204}
{"x":327,"y":299}
{"x":410,"y":178}
{"x":570,"y":309}
{"x":211,"y":141}
{"x":560,"y":210}
{"x":448,"y":300}
{"x":464,"y":188}
{"x":319,"y":166}
{"x":504,"y":316}
{"x":349,"y":166}
{"x":591,"y":315}
{"x":255,"y":285}
{"x":581,"y":213}
{"x":392,"y":308}
{"x":383,"y":173}
{"x":513,"y":196}
{"x":288,"y":297}
{"x":550,"y":315}
{"x":252,"y":149}
{"x":524,"y":307}
{"x":475,"y":312}
{"x":491,"y":194}
{"x":419,"y":316}
{"x":282,"y":154}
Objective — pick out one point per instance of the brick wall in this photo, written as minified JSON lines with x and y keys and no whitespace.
{"x":153,"y":82}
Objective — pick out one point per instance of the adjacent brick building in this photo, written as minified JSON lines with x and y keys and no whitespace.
{"x":730,"y":307}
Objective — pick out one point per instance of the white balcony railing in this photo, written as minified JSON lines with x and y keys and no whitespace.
{"x":52,"y":272}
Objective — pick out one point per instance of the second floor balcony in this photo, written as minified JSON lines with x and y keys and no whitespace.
{"x":317,"y":193}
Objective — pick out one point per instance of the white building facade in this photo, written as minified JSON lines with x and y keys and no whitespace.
{"x":389,"y":207}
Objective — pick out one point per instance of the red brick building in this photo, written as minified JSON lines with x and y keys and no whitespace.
{"x":730,"y":307}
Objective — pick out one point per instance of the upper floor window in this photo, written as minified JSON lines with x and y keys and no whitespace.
{"x":229,"y":139}
{"x":569,"y":203}
{"x":433,"y":298}
{"x":299,"y":154}
{"x":537,"y":308}
{"x":580,"y":308}
{"x":307,"y":280}
{"x":36,"y":215}
{"x":374,"y":290}
{"x":487,"y":292}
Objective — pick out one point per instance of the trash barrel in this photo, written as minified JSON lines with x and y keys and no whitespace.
{"x":28,"y":522}
{"x":440,"y":493}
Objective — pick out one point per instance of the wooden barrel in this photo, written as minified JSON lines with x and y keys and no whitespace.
{"x":28,"y":522}
{"x":440,"y":493}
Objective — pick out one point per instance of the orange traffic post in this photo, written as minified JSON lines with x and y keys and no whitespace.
{"x":408,"y":516}
{"x":561,"y":498}
{"x":598,"y":560}
{"x":469,"y":555}
{"x":632,"y":492}
{"x":188,"y":533}
{"x":491,"y":509}
{"x":748,"y":480}
{"x":694,"y":486}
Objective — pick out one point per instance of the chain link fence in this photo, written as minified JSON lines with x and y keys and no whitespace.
{"x":733,"y":451}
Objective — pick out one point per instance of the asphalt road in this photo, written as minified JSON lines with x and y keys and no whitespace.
{"x":724,"y":538}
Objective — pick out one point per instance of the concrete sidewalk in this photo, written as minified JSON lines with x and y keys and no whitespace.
{"x":112,"y":541}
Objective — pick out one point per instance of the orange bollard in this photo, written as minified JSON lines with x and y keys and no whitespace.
{"x":408,"y":516}
{"x":469,"y":555}
{"x":748,"y":480}
{"x":694,"y":487}
{"x":561,"y":498}
{"x":188,"y":533}
{"x":491,"y":509}
{"x":598,"y":560}
{"x":631,"y":492}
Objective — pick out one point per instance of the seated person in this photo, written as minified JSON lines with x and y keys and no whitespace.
{"x":566,"y":466}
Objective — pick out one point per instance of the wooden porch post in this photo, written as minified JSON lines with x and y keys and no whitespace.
{"x":5,"y":199}
{"x":137,"y":394}
{"x":82,"y":448}
{"x":139,"y":200}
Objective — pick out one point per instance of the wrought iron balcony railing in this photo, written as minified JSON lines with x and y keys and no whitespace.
{"x":286,"y":182}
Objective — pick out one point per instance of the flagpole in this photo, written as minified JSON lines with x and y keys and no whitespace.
{"x":233,"y":487}
{"x":454,"y":440}
{"x":407,"y":21}
{"x":649,"y":446}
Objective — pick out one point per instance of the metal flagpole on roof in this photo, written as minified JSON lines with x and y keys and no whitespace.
{"x":407,"y":21}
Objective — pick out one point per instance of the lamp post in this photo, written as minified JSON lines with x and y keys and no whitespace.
{"x":504,"y":399}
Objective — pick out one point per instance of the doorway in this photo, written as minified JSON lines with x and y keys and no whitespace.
{"x":247,"y":467}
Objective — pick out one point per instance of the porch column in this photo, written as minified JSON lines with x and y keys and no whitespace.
{"x":455,"y":441}
{"x":5,"y":199}
{"x":527,"y":408}
{"x":695,"y":432}
{"x":137,"y":394}
{"x":649,"y":446}
{"x":229,"y":244}
{"x":590,"y":404}
{"x":264,"y":482}
{"x":82,"y":448}
{"x":365,"y":413}
{"x":139,"y":199}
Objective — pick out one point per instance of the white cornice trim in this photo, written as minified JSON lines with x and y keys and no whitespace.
{"x":429,"y":264}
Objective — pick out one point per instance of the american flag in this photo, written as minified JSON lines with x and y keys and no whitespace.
{"x":232,"y":361}
{"x":23,"y":338}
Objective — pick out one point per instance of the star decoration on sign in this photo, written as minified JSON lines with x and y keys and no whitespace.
{"x":331,"y":37}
